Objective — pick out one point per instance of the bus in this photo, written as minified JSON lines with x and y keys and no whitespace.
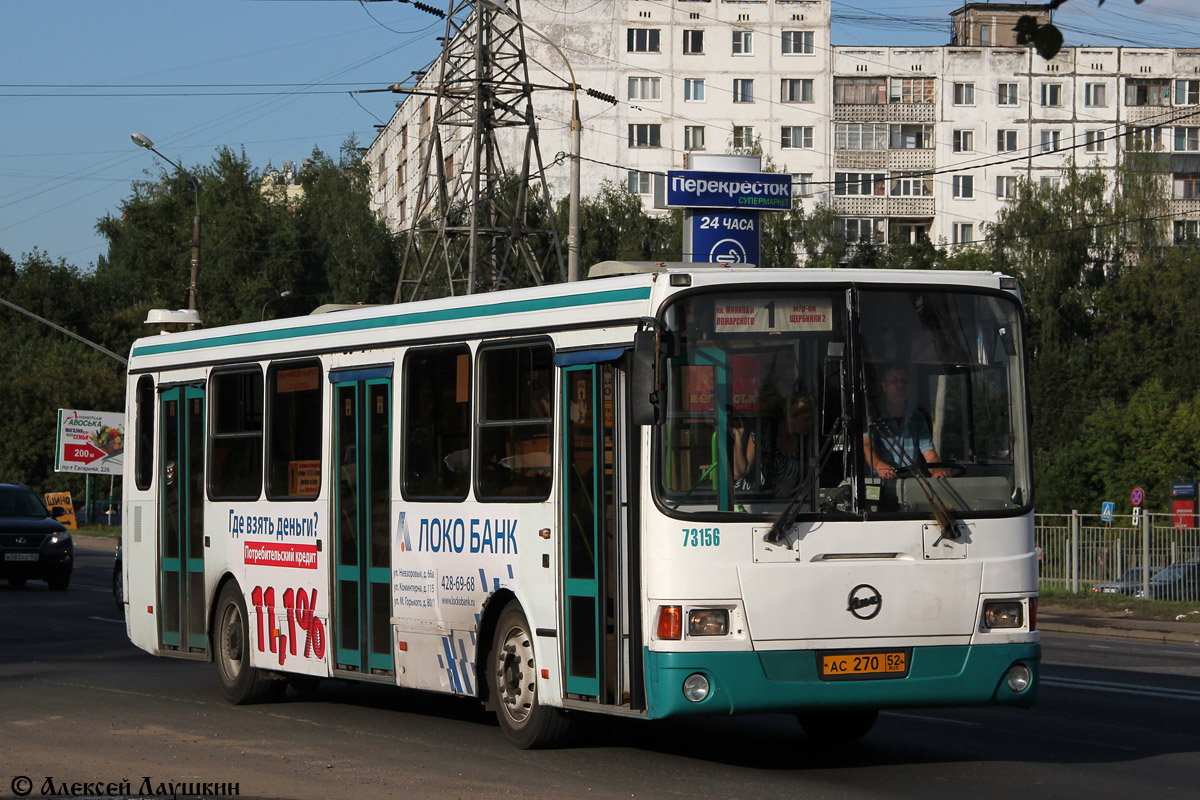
{"x":667,"y":490}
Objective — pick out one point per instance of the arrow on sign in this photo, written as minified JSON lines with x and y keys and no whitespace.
{"x":84,"y":453}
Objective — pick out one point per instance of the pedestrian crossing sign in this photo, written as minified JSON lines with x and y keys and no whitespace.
{"x":1106,"y":511}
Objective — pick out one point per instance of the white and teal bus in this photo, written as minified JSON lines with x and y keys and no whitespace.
{"x":674,"y":489}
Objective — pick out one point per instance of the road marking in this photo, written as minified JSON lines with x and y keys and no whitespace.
{"x":106,"y":619}
{"x":1123,"y":688}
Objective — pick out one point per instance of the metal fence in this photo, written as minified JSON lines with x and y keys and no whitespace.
{"x":1076,"y":551}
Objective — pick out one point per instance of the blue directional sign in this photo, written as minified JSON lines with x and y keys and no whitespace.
{"x":725,"y":237}
{"x":1107,"y":510}
{"x":760,"y":191}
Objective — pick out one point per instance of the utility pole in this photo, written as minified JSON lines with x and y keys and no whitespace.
{"x":472,"y":223}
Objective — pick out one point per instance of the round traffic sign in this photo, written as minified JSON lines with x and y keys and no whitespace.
{"x":1136,"y":496}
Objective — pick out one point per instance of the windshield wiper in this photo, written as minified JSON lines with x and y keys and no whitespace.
{"x":941,"y":512}
{"x":792,"y":510}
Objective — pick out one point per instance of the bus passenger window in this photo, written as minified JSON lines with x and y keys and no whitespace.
{"x":144,"y":443}
{"x":515,"y":422}
{"x":294,"y":425}
{"x":235,"y":442}
{"x":437,"y":420}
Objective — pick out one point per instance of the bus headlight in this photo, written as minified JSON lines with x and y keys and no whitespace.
{"x":708,"y":622}
{"x":1003,"y":614}
{"x":695,"y":687}
{"x":1018,"y":677}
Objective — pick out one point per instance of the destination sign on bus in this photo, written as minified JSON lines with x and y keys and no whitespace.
{"x":763,"y":315}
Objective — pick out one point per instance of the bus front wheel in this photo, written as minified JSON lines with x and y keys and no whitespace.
{"x":838,"y":727}
{"x":513,"y":675}
{"x":241,"y":683}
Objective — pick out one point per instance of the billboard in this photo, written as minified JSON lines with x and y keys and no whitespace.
{"x":90,"y":441}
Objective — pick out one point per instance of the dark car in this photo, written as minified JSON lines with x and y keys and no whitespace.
{"x":1176,"y":582}
{"x":118,"y":582}
{"x":33,"y":544}
{"x":1129,"y":583}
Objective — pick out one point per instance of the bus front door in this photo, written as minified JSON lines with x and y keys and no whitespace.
{"x":181,"y":616}
{"x":362,"y":545}
{"x":601,"y":638}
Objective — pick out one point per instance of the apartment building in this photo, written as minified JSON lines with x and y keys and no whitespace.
{"x":902,"y":141}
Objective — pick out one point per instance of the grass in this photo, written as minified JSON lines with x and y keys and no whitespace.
{"x":100,"y":531}
{"x":1114,"y":605}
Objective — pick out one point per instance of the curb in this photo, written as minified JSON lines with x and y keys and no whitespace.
{"x":1105,"y":629}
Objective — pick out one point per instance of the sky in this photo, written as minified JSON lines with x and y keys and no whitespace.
{"x":278,"y":78}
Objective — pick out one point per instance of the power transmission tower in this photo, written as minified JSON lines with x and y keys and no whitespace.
{"x":471,"y":224}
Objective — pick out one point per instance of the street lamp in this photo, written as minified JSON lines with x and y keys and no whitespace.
{"x":141,"y":140}
{"x":573,"y":231}
{"x":280,"y":296}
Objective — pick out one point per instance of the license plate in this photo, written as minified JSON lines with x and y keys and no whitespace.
{"x":864,"y":664}
{"x":20,"y":556}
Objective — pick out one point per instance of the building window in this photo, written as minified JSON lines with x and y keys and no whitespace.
{"x":645,"y":135}
{"x":693,"y":90}
{"x":802,"y":184}
{"x":1051,"y":141}
{"x":743,"y":43}
{"x":964,"y":232}
{"x":1147,"y":92}
{"x":1006,"y":187}
{"x":910,"y":136}
{"x":693,"y":137}
{"x":1187,"y":186}
{"x":515,"y":453}
{"x":743,"y":137}
{"x":1187,"y":230}
{"x":964,"y":94}
{"x":912,"y":186}
{"x":1052,"y":95}
{"x":908,"y":232}
{"x":1006,"y":94}
{"x":860,"y":136}
{"x":964,"y":141}
{"x":860,"y":91}
{"x":693,"y":43}
{"x":1187,"y":92}
{"x":910,"y":90}
{"x":860,"y":229}
{"x":1187,"y":139}
{"x":860,"y":184}
{"x":797,"y":43}
{"x":1147,"y":139}
{"x":1095,"y":95}
{"x":964,"y":187}
{"x":642,"y":40}
{"x":743,"y":90}
{"x":1093,"y":141}
{"x":1006,"y":140}
{"x":796,"y":90}
{"x":794,"y":137}
{"x":640,"y":182}
{"x":644,"y":88}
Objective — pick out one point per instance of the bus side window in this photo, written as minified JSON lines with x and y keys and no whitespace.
{"x":515,"y":422}
{"x":437,"y":424}
{"x":144,"y":443}
{"x":294,"y":425}
{"x":236,"y":437}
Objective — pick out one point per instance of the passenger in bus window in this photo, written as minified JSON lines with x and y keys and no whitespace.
{"x":898,"y":435}
{"x":783,"y":456}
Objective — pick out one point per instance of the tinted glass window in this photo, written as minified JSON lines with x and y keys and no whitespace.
{"x":294,"y":435}
{"x":144,"y":446}
{"x":236,"y":450}
{"x":437,"y":423}
{"x":515,"y":421}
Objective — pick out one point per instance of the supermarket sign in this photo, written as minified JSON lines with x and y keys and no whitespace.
{"x":90,"y":441}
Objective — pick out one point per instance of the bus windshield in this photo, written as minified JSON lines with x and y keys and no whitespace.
{"x":777,"y":399}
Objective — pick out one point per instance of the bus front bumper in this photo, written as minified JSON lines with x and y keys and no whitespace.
{"x":787,"y":681}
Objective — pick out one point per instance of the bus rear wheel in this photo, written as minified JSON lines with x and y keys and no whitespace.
{"x":512,"y":673}
{"x":838,"y":727}
{"x":241,"y":683}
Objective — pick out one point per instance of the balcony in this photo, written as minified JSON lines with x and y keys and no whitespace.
{"x":883,"y":112}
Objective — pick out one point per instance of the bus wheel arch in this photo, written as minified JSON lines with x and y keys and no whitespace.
{"x":489,"y":617}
